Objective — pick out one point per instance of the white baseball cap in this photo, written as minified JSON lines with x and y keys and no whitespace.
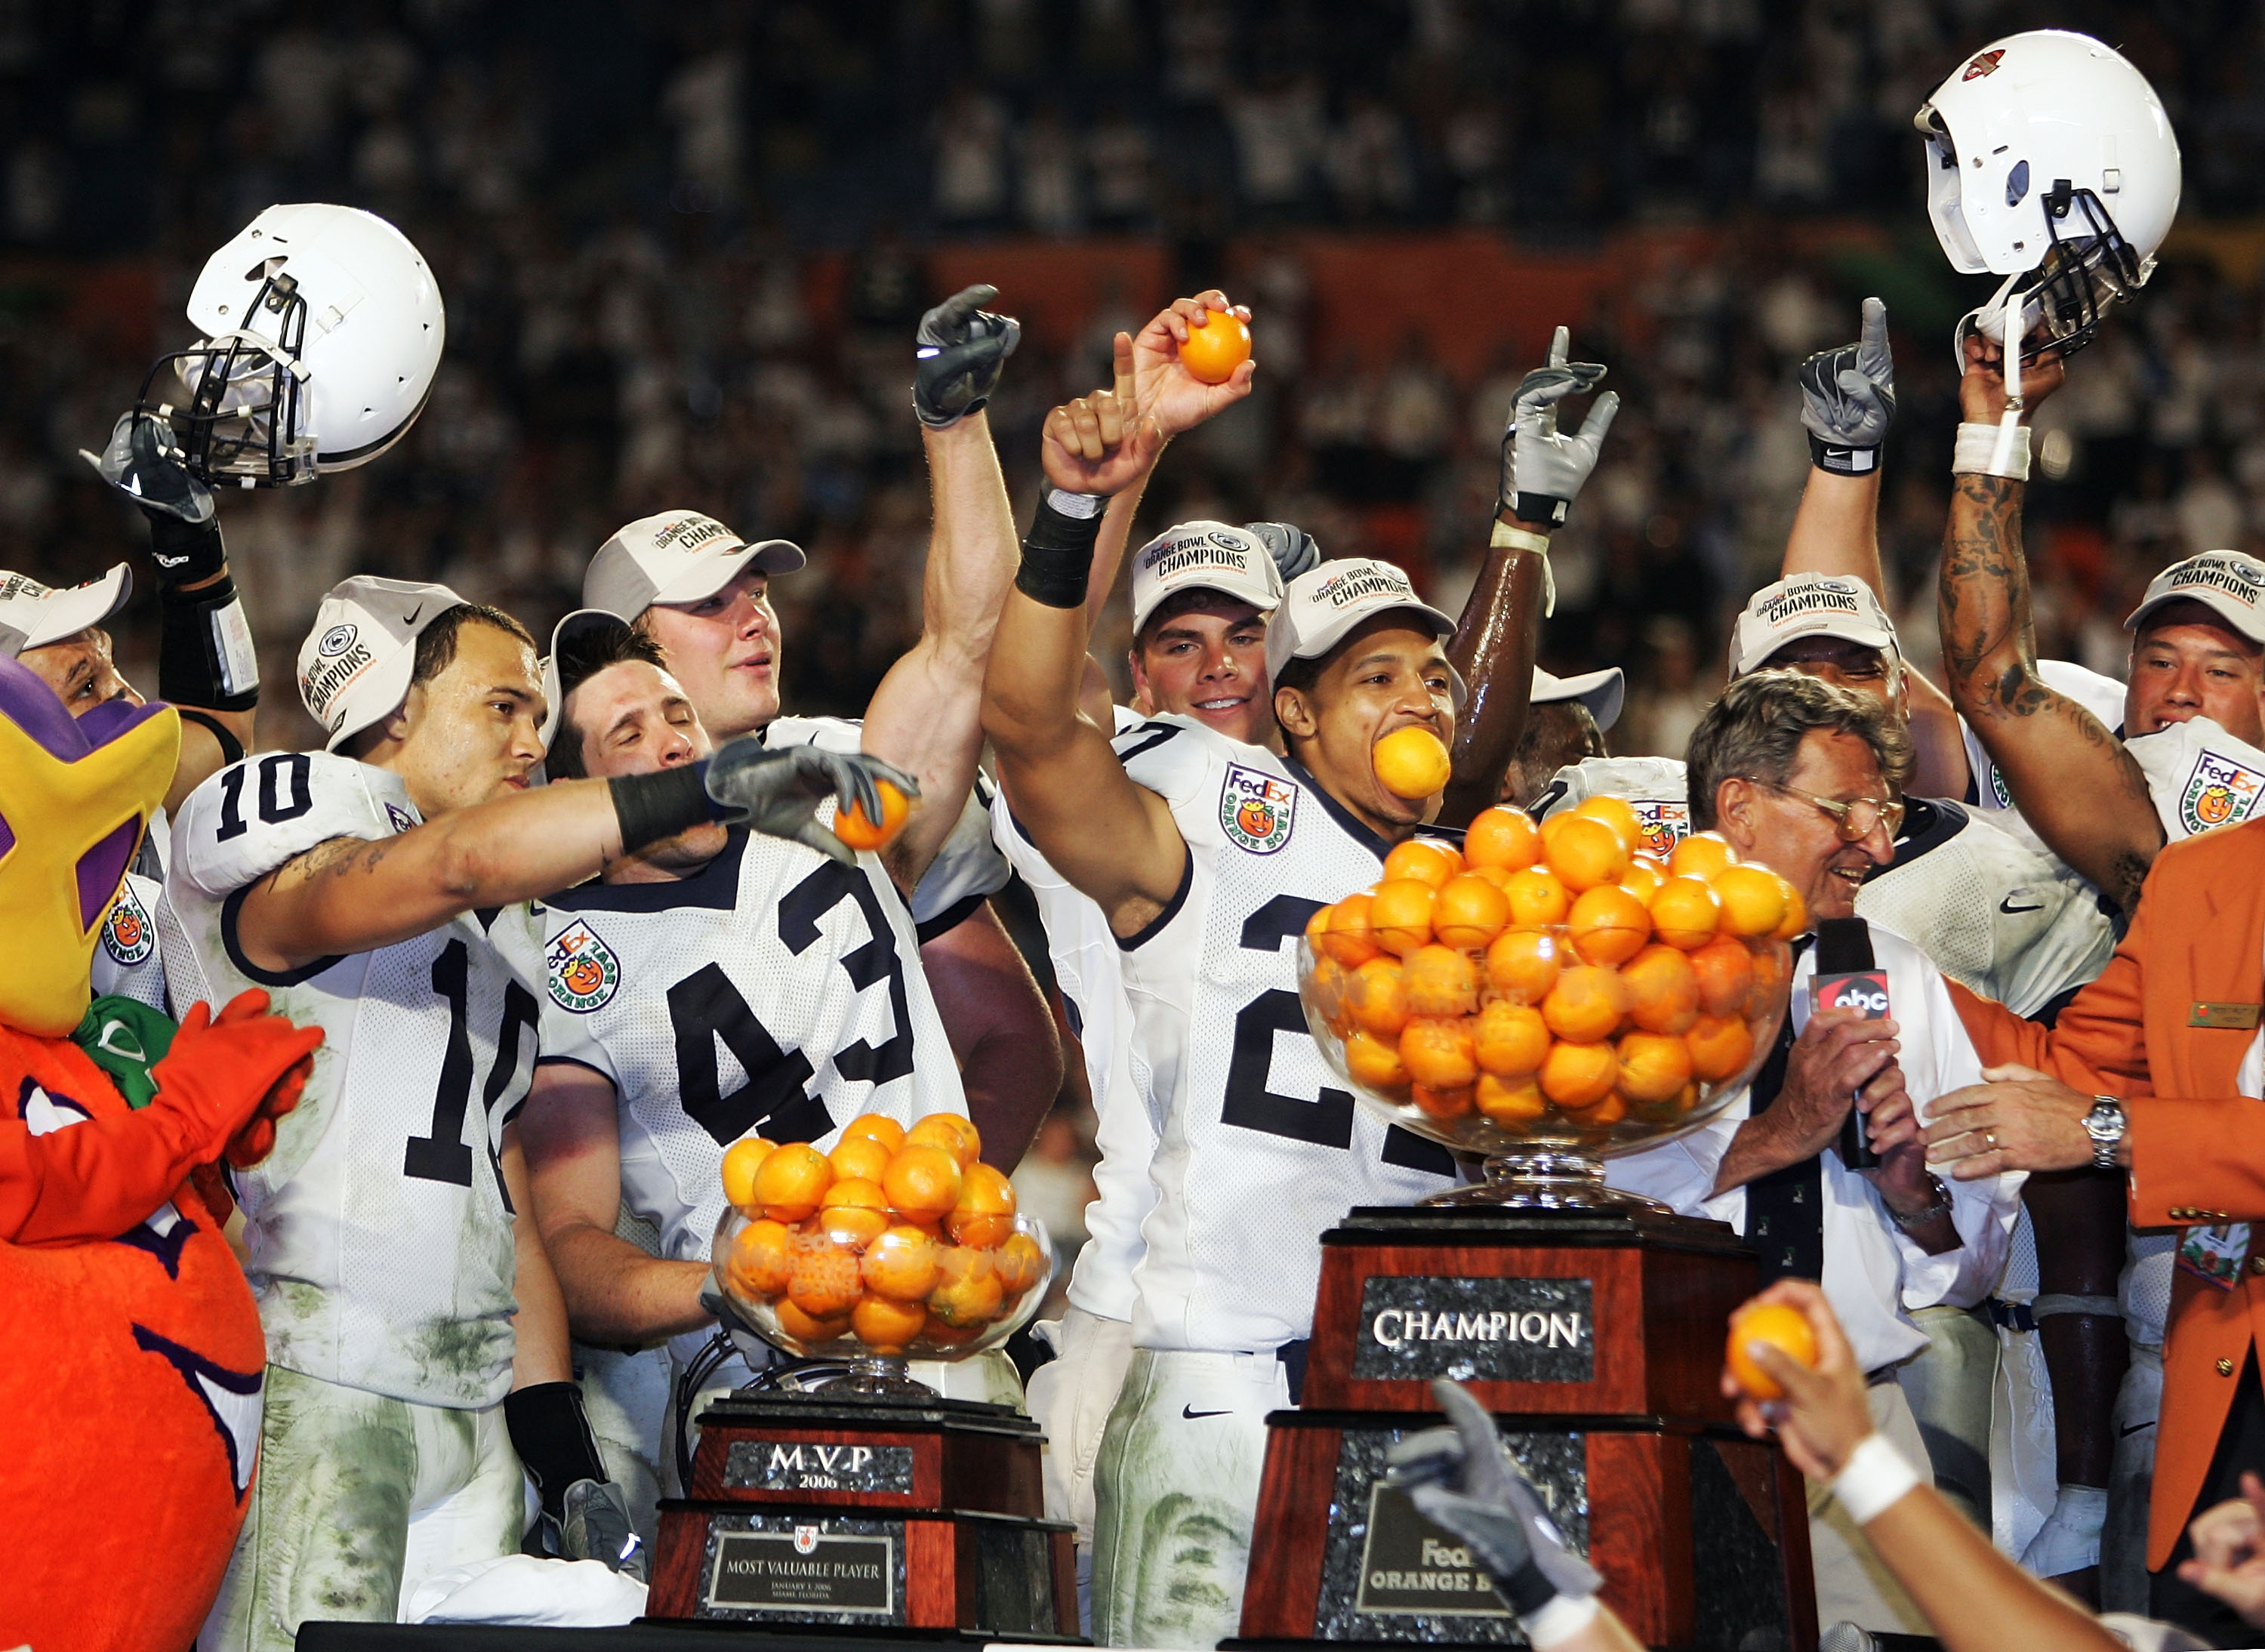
{"x":2226,"y":582}
{"x":355,"y":665}
{"x":1322,"y":605}
{"x":1808,"y":605}
{"x":580,"y":622}
{"x":1601,"y":691}
{"x":32,"y":614}
{"x":1203,"y":556}
{"x":676,"y":556}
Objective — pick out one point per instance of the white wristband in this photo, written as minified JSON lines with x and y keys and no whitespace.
{"x":1560,"y":1621}
{"x":1977,"y":446}
{"x":1083,"y":506}
{"x":1508,"y":538}
{"x":1874,"y":1478}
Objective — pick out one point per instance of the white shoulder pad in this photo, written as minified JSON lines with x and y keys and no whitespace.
{"x":2200,"y":776}
{"x":1125,"y":718}
{"x":1652,"y":786}
{"x":828,"y":734}
{"x":2103,"y":696}
{"x":254,"y":815}
{"x":1170,"y":755}
{"x":967,"y":867}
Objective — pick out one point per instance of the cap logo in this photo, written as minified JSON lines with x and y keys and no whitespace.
{"x":1816,"y":597}
{"x":17,"y":585}
{"x":321,"y":688}
{"x":1373,"y":580}
{"x":582,"y":970}
{"x":2220,"y":792}
{"x":127,"y":935}
{"x":1984,"y":64}
{"x":1255,"y":809}
{"x":2218,"y":573}
{"x":1197,"y":551}
{"x":689,"y":533}
{"x":335,"y":641}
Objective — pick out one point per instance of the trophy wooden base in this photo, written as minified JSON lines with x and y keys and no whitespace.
{"x":1596,"y":1338}
{"x":884,"y":1515}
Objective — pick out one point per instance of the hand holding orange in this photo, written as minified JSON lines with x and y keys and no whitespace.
{"x":1212,"y":351}
{"x":1778,"y":1325}
{"x":859,"y":831}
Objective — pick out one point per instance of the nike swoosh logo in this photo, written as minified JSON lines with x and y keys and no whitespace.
{"x":413,"y":613}
{"x":2135,"y":1428}
{"x":1192,"y":1414}
{"x":2007,"y":907}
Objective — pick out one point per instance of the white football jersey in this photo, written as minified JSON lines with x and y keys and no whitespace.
{"x":967,"y":870}
{"x":1259,"y":1148}
{"x":1652,"y":786}
{"x":2000,"y":918}
{"x":1089,"y":969}
{"x":378,"y":1232}
{"x":771,"y":994}
{"x":2200,"y":776}
{"x":126,"y":954}
{"x":1986,"y":791}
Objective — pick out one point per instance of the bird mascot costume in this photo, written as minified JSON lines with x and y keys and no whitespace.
{"x":130,"y":1373}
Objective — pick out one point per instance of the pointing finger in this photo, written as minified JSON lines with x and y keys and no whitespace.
{"x":1124,"y":367}
{"x":1559,"y":343}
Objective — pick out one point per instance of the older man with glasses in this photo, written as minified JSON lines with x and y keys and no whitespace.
{"x":1806,"y":778}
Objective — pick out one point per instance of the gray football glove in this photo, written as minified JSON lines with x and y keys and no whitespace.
{"x":596,"y":1527}
{"x":1292,"y":547}
{"x":1848,"y":398}
{"x":1463,"y":1477}
{"x":144,"y":462}
{"x":1543,"y":471}
{"x":777,"y":792}
{"x":962,"y":348}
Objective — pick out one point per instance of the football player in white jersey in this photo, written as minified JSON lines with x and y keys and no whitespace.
{"x":390,"y":1278}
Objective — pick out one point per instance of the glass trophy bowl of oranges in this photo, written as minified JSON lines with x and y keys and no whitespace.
{"x":898,"y":1244}
{"x":1551,"y":996}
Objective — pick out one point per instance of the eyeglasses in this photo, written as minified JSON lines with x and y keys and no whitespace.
{"x":1856,"y":818}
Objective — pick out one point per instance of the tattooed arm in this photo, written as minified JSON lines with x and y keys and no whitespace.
{"x":2069,"y":776}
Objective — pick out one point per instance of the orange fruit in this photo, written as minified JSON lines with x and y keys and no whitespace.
{"x":1663,"y":989}
{"x":1019,"y":1264}
{"x":1411,"y":762}
{"x":1720,"y":1047}
{"x":1375,"y":1063}
{"x":1584,"y":852}
{"x":1499,"y":876}
{"x":741,"y":1160}
{"x":1754,"y":899}
{"x":1329,"y":986}
{"x":1686,"y":913}
{"x":1469,"y":912}
{"x":1586,"y":1005}
{"x":1771,"y":964}
{"x":860,"y":831}
{"x":762,"y":1258}
{"x":1615,"y":813}
{"x":922,"y":1182}
{"x":956,"y":1135}
{"x":1426,"y":860}
{"x":1782,"y":1327}
{"x":825,"y":1282}
{"x":1537,"y":897}
{"x":901,"y":1264}
{"x":1439,"y":1054}
{"x":1212,"y":351}
{"x":1502,"y":836}
{"x":1399,"y":913}
{"x":1317,"y":929}
{"x":1654,"y":1066}
{"x":1644,"y":876}
{"x":807,"y":1329}
{"x":985,"y":1214}
{"x":1440,"y":981}
{"x":1725,"y":972}
{"x":855,"y":1213}
{"x":1599,"y":1115}
{"x":1523,"y":964}
{"x":1349,"y":938}
{"x":1579,"y":1075}
{"x":1378,"y":997}
{"x":1796,"y":916}
{"x":1608,"y":925}
{"x":791,"y":1182}
{"x":1672,"y":1108}
{"x":887,"y":1326}
{"x":874,"y":1127}
{"x":859,"y":1159}
{"x":1512,"y":1103}
{"x":1701,"y":855}
{"x":968,"y":1293}
{"x":1442,"y":1104}
{"x":1511,"y":1039}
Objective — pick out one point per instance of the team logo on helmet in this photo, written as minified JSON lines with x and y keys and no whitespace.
{"x":2218,"y":793}
{"x":1985,"y":63}
{"x":582,"y":970}
{"x":127,"y":935}
{"x":1662,"y":822}
{"x":1255,"y":809}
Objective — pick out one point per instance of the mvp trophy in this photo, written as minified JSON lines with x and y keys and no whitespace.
{"x":1590,"y":1322}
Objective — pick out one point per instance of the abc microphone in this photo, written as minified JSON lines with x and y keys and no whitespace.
{"x":1847,"y":977}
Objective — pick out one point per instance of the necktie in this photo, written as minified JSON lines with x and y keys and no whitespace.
{"x":1785,"y":1210}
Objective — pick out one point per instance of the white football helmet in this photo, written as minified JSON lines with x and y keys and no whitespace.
{"x":323,"y":328}
{"x":2050,"y":162}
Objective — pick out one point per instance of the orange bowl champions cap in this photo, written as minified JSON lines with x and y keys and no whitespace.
{"x":355,"y":665}
{"x":2230,"y":583}
{"x":1321,"y":606}
{"x":1808,"y":605}
{"x":676,"y":556}
{"x":1203,"y":556}
{"x":33,"y":616}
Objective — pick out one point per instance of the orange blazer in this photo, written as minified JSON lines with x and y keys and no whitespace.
{"x":2197,"y":1146}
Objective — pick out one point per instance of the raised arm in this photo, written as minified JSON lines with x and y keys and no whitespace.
{"x":2069,"y":777}
{"x":1847,"y":403}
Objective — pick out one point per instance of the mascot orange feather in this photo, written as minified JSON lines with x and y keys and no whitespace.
{"x":131,"y":1382}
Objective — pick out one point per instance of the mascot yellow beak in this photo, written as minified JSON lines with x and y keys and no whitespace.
{"x":75,"y":796}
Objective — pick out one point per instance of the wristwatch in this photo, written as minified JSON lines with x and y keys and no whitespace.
{"x":2104,"y":1123}
{"x":1940,"y":1206}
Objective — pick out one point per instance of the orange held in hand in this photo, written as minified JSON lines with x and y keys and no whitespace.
{"x":1412,"y":762}
{"x":1785,"y":1329}
{"x":1213,"y":351}
{"x":859,"y":831}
